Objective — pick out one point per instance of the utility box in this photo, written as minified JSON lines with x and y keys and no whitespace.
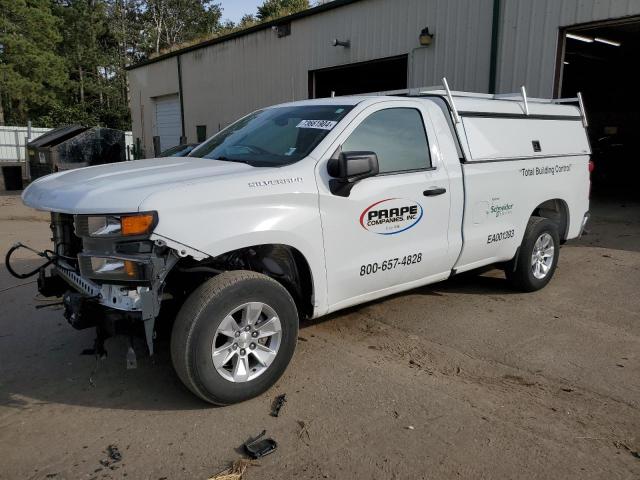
{"x":74,"y":146}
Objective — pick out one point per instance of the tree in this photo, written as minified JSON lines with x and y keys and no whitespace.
{"x":172,"y":22}
{"x":272,"y":9}
{"x":93,"y":47}
{"x":84,"y":36}
{"x":32,"y":75}
{"x":247,"y":20}
{"x":63,"y":61}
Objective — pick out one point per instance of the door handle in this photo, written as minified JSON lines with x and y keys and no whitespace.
{"x":434,"y":191}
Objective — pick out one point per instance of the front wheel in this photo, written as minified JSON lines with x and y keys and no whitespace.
{"x":538,"y":256}
{"x":234,"y":337}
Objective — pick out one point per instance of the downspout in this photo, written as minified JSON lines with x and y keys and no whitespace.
{"x":183,"y":137}
{"x":495,"y":35}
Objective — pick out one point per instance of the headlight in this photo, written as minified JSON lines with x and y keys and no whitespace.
{"x":108,"y":226}
{"x":115,"y":269}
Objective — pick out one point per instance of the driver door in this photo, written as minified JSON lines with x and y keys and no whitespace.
{"x":390,"y":232}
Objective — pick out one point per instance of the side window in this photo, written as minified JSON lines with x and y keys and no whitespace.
{"x":396,"y":135}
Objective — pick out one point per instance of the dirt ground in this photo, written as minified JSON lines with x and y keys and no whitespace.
{"x":462,"y":379}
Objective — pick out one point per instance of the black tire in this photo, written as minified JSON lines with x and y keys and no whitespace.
{"x":519,"y":270}
{"x":198,"y":320}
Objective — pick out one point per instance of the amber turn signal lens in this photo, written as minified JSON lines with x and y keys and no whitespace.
{"x":136,"y":224}
{"x":130,"y":268}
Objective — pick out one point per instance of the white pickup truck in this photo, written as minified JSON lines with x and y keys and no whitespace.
{"x":305,"y":208}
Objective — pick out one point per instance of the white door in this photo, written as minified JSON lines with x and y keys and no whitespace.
{"x":168,"y":122}
{"x":390,"y":233}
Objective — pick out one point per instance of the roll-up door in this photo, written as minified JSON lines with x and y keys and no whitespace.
{"x":168,"y":122}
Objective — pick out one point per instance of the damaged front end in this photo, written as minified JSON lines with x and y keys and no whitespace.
{"x":109,"y":272}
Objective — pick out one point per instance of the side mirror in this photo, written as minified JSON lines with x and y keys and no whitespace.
{"x":347,"y":168}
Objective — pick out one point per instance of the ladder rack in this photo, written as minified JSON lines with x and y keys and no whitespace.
{"x":520,"y":96}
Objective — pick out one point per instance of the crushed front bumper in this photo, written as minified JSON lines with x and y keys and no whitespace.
{"x":104,"y":305}
{"x":111,"y":296}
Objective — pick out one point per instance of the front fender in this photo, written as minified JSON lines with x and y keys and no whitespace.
{"x":236,"y":216}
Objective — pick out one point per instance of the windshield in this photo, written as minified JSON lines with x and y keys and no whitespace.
{"x":179,"y":150}
{"x":275,"y":136}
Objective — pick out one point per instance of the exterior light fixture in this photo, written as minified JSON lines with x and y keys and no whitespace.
{"x":425,"y":37}
{"x":341,"y":43}
{"x":282,"y":30}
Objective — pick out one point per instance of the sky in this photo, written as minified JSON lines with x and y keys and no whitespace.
{"x":235,"y":9}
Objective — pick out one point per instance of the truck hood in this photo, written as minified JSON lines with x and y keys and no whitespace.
{"x":120,"y":187}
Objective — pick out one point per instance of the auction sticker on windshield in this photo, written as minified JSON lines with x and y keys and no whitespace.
{"x":391,"y":216}
{"x":321,"y":124}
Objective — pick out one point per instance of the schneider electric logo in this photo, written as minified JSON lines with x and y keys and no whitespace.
{"x":501,"y":209}
{"x":391,"y":216}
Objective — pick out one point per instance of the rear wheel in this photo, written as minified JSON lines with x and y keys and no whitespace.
{"x":234,"y":337}
{"x":538,"y":256}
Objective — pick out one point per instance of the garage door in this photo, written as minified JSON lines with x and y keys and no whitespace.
{"x":168,"y":124}
{"x":375,"y":76}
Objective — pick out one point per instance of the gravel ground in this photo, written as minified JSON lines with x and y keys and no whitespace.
{"x":461,"y":379}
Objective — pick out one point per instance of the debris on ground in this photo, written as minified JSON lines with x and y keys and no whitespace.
{"x":277,"y":404}
{"x":114,"y":453}
{"x":519,"y":380}
{"x":132,"y":362}
{"x":235,"y":471}
{"x":410,"y":427}
{"x":304,"y":432}
{"x":257,"y":448}
{"x":623,"y":446}
{"x":113,"y":456}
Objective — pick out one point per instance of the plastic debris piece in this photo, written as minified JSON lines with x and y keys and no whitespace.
{"x":258,"y":447}
{"x":132,"y":362}
{"x":114,"y":453}
{"x":278,"y":404}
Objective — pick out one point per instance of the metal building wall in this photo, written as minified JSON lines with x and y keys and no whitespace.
{"x":529,"y":33}
{"x":145,"y":84}
{"x":224,"y":81}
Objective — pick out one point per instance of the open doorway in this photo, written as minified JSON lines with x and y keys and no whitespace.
{"x":374,"y":76}
{"x":599,"y":60}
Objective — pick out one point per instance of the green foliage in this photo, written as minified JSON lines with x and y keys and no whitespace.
{"x":63,"y":61}
{"x":32,"y":74}
{"x":171,"y":22}
{"x":272,"y":9}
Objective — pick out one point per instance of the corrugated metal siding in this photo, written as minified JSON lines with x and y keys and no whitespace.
{"x":225,"y":81}
{"x":13,"y":142}
{"x":529,"y":32}
{"x":145,"y":84}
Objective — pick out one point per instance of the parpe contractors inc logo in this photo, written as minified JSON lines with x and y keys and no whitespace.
{"x":391,"y":216}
